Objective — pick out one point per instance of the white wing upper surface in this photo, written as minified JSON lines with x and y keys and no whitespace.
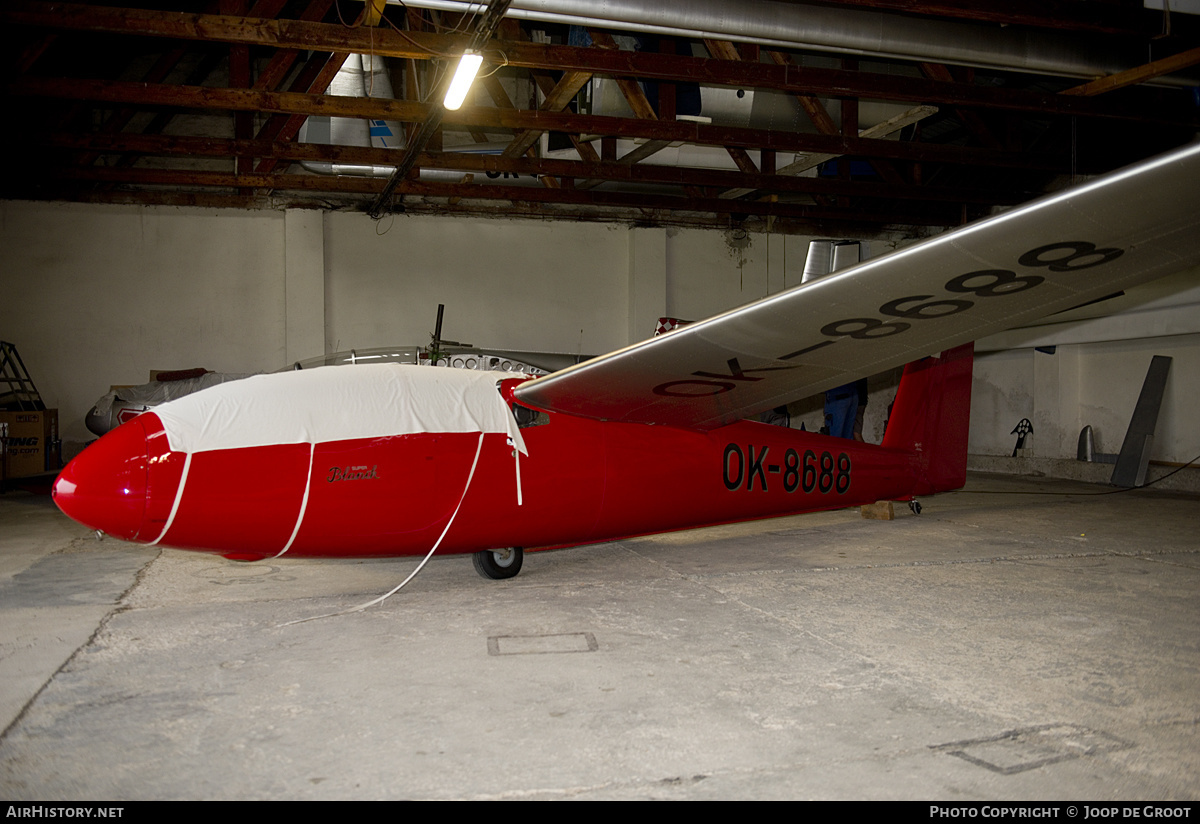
{"x":1055,"y":253}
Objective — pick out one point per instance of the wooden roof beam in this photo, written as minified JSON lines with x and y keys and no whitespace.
{"x":275,"y":72}
{"x":970,"y":118}
{"x":327,"y":37}
{"x":196,"y":97}
{"x":812,"y":106}
{"x":631,"y":90}
{"x":562,"y":94}
{"x":175,"y":146}
{"x":1138,"y":74}
{"x":314,"y":80}
{"x":345,"y":184}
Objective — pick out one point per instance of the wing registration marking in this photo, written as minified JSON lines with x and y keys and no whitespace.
{"x":982,"y":283}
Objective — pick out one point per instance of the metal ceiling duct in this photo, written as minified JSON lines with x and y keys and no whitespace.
{"x":838,"y":30}
{"x":828,"y":256}
{"x":362,"y":75}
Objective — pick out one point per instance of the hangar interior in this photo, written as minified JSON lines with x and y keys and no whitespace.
{"x":172,"y":202}
{"x":693,"y":190}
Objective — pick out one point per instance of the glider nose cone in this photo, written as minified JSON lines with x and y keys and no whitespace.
{"x":105,"y":486}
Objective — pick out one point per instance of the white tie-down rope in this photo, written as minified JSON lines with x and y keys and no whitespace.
{"x":517,"y":463}
{"x":312,"y":451}
{"x":187,"y":464}
{"x":420,"y":566}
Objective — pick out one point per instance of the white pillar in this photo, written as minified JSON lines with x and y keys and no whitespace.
{"x":647,"y":281}
{"x":304,"y":283}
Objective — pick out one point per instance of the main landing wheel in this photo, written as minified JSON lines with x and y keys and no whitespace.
{"x":499,"y":563}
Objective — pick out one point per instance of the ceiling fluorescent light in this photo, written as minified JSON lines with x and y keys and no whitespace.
{"x":468,"y":67}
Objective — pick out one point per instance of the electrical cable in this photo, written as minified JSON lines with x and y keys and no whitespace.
{"x":1079,"y":494}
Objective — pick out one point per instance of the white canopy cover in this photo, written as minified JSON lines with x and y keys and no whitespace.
{"x":338,"y":403}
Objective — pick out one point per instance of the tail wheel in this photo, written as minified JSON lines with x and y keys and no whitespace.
{"x":915,"y":506}
{"x":498,"y":564}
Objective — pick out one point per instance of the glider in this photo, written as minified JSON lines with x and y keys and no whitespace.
{"x":395,"y":460}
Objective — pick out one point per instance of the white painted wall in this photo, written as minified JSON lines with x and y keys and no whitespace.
{"x":526,"y":285}
{"x":1101,"y":354}
{"x":1001,"y":395}
{"x":100,"y":295}
{"x":1094,"y":384}
{"x":709,"y":272}
{"x":95,"y":295}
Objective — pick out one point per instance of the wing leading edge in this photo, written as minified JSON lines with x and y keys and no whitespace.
{"x":1057,"y":252}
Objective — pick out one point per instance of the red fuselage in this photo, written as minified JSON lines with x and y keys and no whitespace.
{"x":583,"y":481}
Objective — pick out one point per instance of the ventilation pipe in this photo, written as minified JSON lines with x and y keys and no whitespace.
{"x":828,"y":256}
{"x":838,"y":30}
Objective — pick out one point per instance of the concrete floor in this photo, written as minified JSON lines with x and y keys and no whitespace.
{"x":1006,"y":644}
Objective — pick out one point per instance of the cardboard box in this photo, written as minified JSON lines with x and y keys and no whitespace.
{"x":31,"y":444}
